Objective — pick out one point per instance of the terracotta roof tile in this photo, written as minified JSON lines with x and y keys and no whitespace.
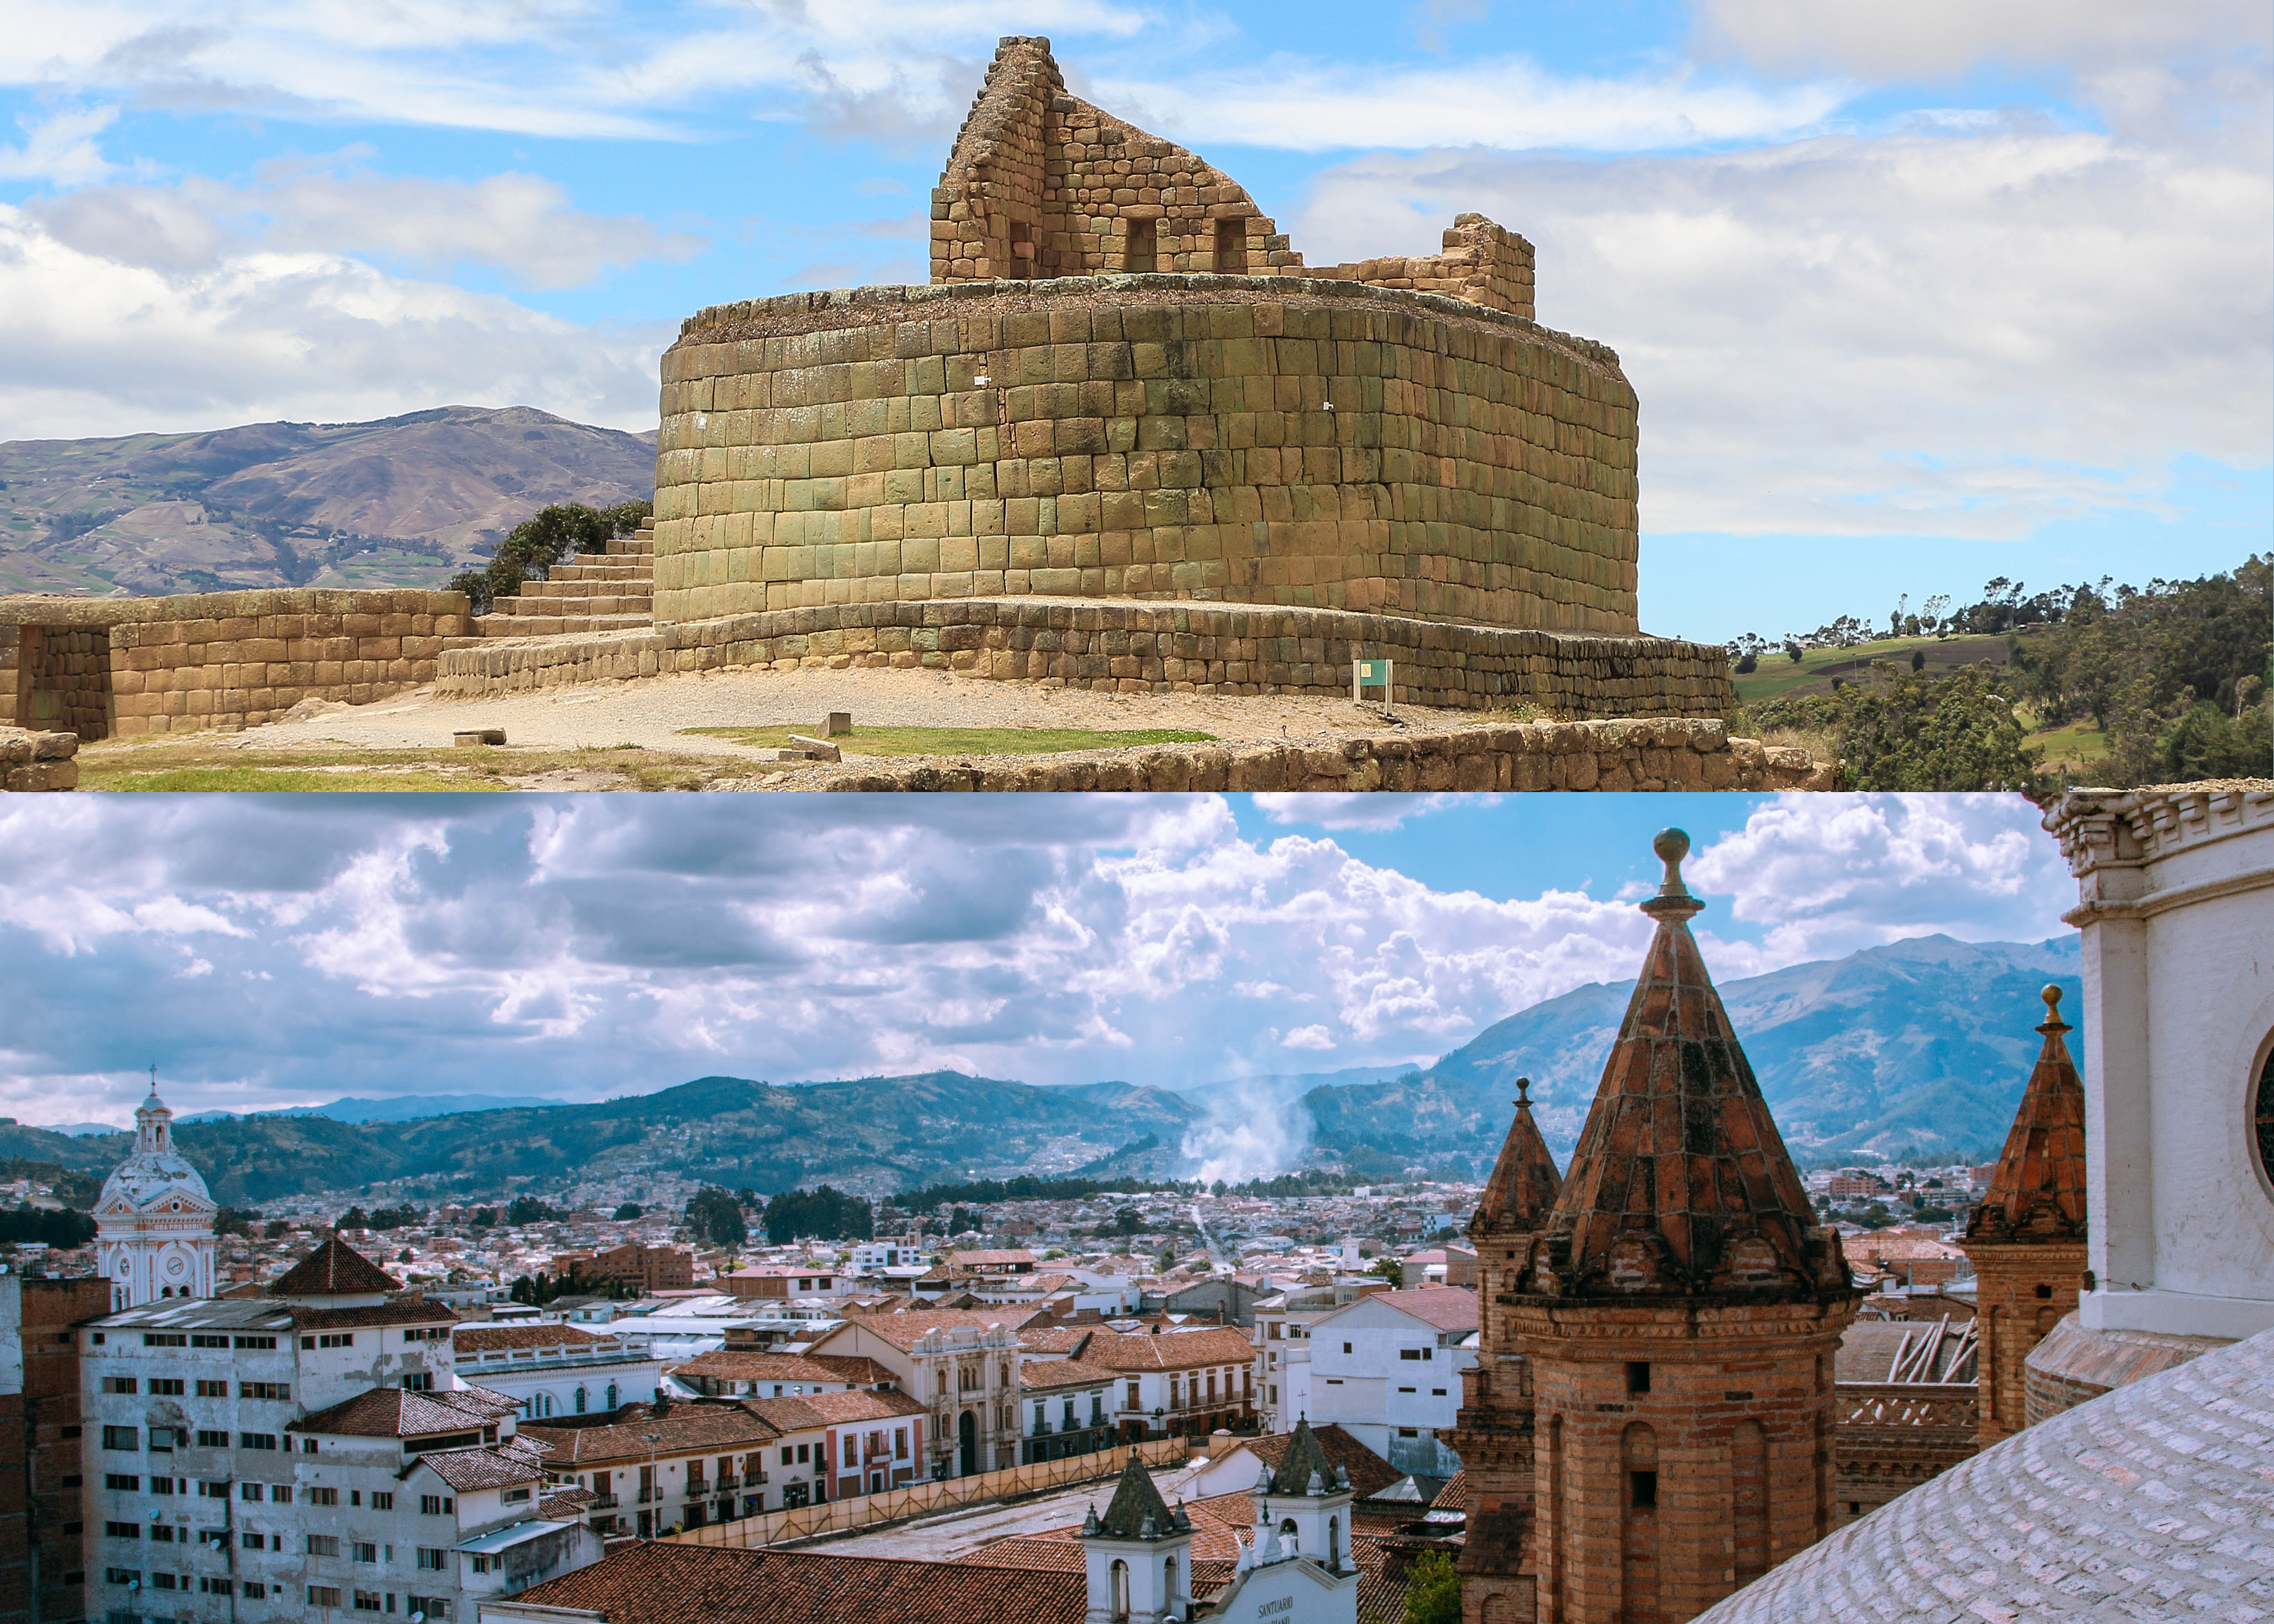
{"x":1049,"y":1375}
{"x":1171,"y":1349}
{"x":1136,"y":1508}
{"x":684,"y":1429}
{"x":333,"y":1269}
{"x":2038,"y":1193}
{"x":1681,"y":1183}
{"x":1523,"y":1183}
{"x":1444,"y":1308}
{"x":468,"y":1471}
{"x":732,"y":1364}
{"x":662,"y":1583}
{"x":392,"y":1412}
{"x":839,"y":1408}
{"x":499,"y":1338}
{"x":1369,"y":1473}
{"x":404,"y":1310}
{"x":1067,"y":1339}
{"x":904,"y":1327}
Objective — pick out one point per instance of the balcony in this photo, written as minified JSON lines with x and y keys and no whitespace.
{"x":604,"y":1503}
{"x":696,"y":1489}
{"x":649,"y":1495}
{"x":727,"y":1483}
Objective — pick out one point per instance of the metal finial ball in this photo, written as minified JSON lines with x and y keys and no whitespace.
{"x":1523,"y":1091}
{"x":2052,"y":994}
{"x":1672,"y":846}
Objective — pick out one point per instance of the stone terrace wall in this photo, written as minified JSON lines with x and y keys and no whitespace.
{"x":1305,"y":443}
{"x":1138,"y":648}
{"x":213,"y":659}
{"x":1614,"y":756}
{"x":37,"y":761}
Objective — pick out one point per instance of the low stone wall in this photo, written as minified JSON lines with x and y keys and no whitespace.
{"x":1527,"y":756}
{"x":37,"y":761}
{"x":130,"y":665}
{"x":1138,"y":648}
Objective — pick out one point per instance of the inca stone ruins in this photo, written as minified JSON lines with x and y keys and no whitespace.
{"x":1124,"y":440}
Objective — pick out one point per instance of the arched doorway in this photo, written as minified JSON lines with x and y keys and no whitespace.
{"x":966,"y":1436}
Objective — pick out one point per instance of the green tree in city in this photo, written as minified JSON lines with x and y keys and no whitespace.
{"x":1432,"y":1590}
{"x":717,"y":1217}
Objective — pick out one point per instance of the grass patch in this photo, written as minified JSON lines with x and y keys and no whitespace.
{"x":286,"y":780}
{"x":2076,"y":745}
{"x":211,"y":766}
{"x":962,"y":740}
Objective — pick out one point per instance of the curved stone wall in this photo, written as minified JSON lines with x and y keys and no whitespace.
{"x":1272,"y":440}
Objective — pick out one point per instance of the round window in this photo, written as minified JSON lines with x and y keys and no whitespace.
{"x":2262,"y":1115}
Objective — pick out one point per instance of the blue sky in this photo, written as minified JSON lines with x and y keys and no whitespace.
{"x":1913,"y":295}
{"x":292,"y":950}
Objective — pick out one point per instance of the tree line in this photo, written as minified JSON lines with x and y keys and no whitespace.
{"x":552,"y":537}
{"x":2174,"y":673}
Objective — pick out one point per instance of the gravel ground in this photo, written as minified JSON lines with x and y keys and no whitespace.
{"x":650,"y":712}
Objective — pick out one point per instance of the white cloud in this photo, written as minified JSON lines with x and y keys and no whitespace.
{"x":1357,"y":811}
{"x":60,"y":148}
{"x":199,"y":332}
{"x":519,"y":224}
{"x":1884,"y":40}
{"x":607,"y":944}
{"x":1966,"y":334}
{"x":1508,"y":101}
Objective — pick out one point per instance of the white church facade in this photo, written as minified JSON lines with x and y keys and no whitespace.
{"x":155,"y":1219}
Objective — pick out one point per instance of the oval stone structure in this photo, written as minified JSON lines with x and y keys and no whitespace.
{"x":1290,"y":441}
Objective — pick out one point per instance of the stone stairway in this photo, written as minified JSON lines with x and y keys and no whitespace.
{"x":610,"y":591}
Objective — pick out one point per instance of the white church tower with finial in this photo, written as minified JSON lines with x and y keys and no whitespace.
{"x":153,"y":1222}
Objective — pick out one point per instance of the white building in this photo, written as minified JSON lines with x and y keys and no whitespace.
{"x":1387,"y":1367}
{"x":305,"y":1451}
{"x":1283,"y":1354}
{"x":155,"y":1221}
{"x":2177,"y":912}
{"x":550,"y":1369}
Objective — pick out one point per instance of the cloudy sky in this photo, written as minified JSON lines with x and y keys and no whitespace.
{"x":274,"y":951}
{"x":1915,"y":292}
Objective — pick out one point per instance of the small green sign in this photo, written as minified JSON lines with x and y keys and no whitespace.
{"x":1373,"y":671}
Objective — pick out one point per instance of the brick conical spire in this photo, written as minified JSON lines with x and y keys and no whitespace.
{"x":1524,"y":1183}
{"x":2038,"y":1193}
{"x":1681,"y":1183}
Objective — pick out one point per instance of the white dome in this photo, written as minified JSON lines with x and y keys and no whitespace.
{"x":154,"y":1175}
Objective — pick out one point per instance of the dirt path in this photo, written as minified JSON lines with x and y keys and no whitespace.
{"x":650,"y":713}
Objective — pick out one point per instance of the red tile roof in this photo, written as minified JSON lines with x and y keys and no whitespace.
{"x":841,"y":1409}
{"x":1171,"y":1349}
{"x":1046,"y":1338}
{"x":333,"y":1269}
{"x":498,"y":1338}
{"x":665,"y":1582}
{"x":1049,"y":1375}
{"x":684,"y":1429}
{"x":904,"y":1327}
{"x":1444,"y":1308}
{"x":2038,"y":1193}
{"x":468,"y":1471}
{"x":731,"y":1364}
{"x":1369,"y":1473}
{"x":392,"y":1412}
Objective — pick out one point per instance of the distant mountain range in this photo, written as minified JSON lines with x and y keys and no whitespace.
{"x":1921,"y":1045}
{"x":403,"y":1108}
{"x":401,"y":501}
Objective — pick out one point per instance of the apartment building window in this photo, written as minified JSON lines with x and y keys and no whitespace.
{"x":256,"y":1441}
{"x":254,"y":1590}
{"x":366,"y":1601}
{"x":122,"y":1482}
{"x":515,"y":1496}
{"x":1135,"y":1401}
{"x":264,"y":1390}
{"x":432,"y":1561}
{"x":419,"y":1382}
{"x":166,"y":1387}
{"x":1402,"y":1353}
{"x":364,"y":1550}
{"x":121,"y":1437}
{"x":258,"y":1343}
{"x":383,"y":1500}
{"x":121,"y":1575}
{"x":207,"y":1341}
{"x":323,"y":1497}
{"x":209,"y":1440}
{"x":323,"y":1545}
{"x":211,"y":1488}
{"x":126,"y":1385}
{"x":280,"y":1493}
{"x":323,"y":1596}
{"x":252,"y":1541}
{"x":483,"y":1564}
{"x":436,"y":1506}
{"x":165,"y":1339}
{"x":122,"y":1531}
{"x":433,"y":1606}
{"x":901,"y":1443}
{"x":216,"y":1587}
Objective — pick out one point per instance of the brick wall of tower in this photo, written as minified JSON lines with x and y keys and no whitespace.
{"x":1736,"y":1425}
{"x":2022,"y":1291}
{"x":43,"y":1502}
